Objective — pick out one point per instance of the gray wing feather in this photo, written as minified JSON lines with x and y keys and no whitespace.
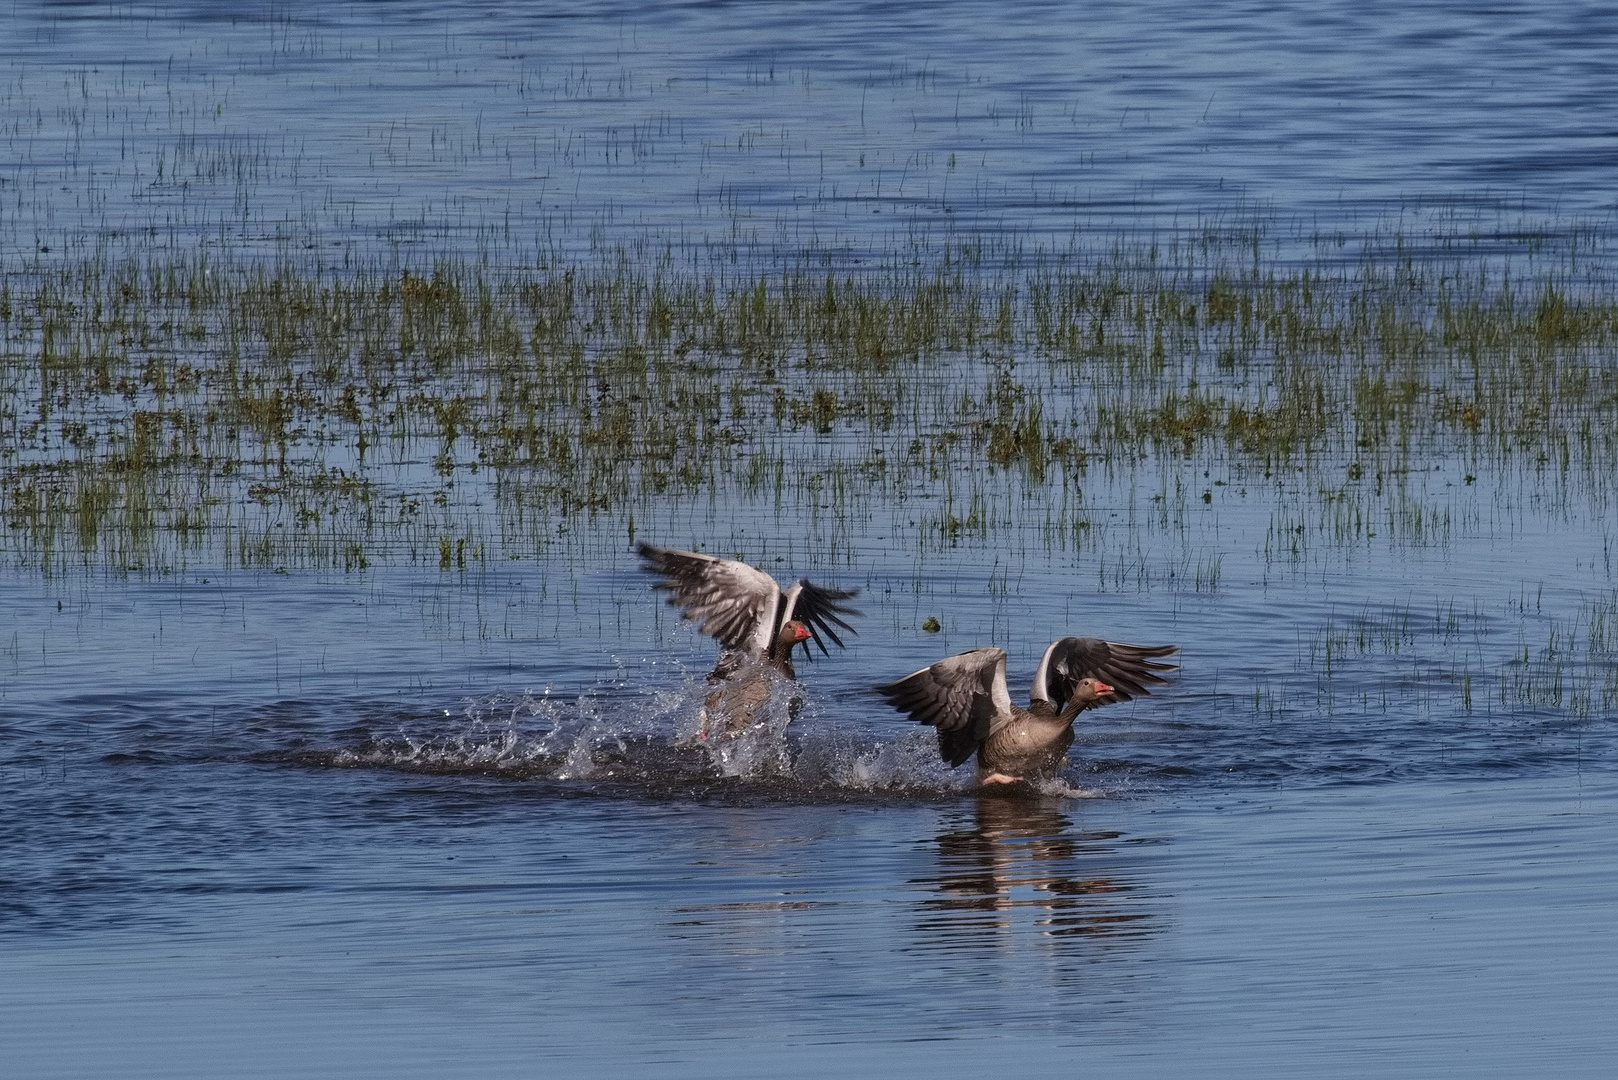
{"x":724,"y":597}
{"x":1129,"y":669}
{"x":961,"y":696}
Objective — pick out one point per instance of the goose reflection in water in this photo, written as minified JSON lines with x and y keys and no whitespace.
{"x":1022,"y":869}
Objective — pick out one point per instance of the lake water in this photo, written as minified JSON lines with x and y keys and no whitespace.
{"x":412,"y":821}
{"x":432,"y":130}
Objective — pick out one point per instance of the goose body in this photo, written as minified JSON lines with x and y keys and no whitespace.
{"x":755,"y":620}
{"x":965,"y":698}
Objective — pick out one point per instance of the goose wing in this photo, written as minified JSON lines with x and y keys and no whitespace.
{"x":1129,"y":669}
{"x":820,"y":610}
{"x":961,"y":696}
{"x":727,"y":599}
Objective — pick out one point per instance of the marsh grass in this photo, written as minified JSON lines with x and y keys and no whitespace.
{"x":1463,"y":660}
{"x":219,"y":346}
{"x":163,"y":413}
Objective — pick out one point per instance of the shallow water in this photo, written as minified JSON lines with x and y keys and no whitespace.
{"x":238,"y":810}
{"x":406,"y":821}
{"x":429,"y":130}
{"x":392,"y":925}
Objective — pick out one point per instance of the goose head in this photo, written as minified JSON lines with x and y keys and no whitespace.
{"x":792,"y":632}
{"x":1087,"y":692}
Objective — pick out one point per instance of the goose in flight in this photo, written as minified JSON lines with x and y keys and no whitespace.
{"x":965,"y":698}
{"x":758,"y":623}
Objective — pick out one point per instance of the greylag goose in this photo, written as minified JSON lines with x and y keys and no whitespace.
{"x":758,"y":623}
{"x":966,"y":699}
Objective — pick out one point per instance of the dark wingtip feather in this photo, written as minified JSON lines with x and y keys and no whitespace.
{"x":821,"y":609}
{"x":654,"y":557}
{"x":893,"y":692}
{"x":829,"y":593}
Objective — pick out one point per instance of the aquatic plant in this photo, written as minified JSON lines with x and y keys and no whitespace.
{"x":188,"y":410}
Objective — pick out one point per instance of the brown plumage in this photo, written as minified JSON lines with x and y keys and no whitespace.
{"x":744,"y":682}
{"x":966,"y":699}
{"x":756,"y":621}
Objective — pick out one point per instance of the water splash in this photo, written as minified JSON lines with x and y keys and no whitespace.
{"x":619,"y":739}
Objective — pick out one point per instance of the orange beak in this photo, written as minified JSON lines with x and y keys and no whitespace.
{"x":801,"y":634}
{"x":1103,"y":688}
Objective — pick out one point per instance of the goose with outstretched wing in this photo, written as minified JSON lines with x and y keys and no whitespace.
{"x":966,"y":699}
{"x":753,"y":617}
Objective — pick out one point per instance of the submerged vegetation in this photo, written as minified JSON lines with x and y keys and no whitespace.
{"x":162,"y":413}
